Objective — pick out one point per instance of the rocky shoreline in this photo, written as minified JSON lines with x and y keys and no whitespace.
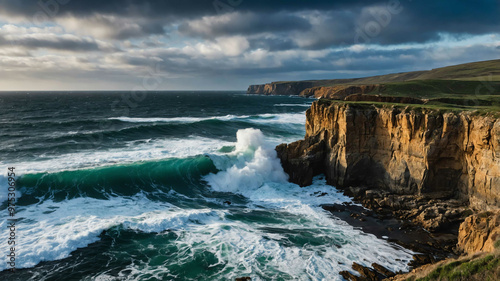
{"x":433,"y":177}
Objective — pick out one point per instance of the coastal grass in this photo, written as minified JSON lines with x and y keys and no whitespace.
{"x":473,"y":71}
{"x":467,"y":87}
{"x":479,"y":97}
{"x":482,"y":268}
{"x":483,"y":72}
{"x":436,"y":107}
{"x":439,"y":89}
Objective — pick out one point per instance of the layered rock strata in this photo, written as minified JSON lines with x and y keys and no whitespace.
{"x":427,"y":165}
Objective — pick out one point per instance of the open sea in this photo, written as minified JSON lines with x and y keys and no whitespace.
{"x":168,"y":186}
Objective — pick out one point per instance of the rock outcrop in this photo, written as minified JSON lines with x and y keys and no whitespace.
{"x":480,"y":233}
{"x":406,"y":159}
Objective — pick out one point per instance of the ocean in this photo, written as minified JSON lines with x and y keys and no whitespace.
{"x":167,"y":186}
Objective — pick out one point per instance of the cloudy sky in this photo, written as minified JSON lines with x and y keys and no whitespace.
{"x":229,"y":44}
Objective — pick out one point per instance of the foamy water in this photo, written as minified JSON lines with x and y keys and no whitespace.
{"x":191,"y":198}
{"x":55,"y":229}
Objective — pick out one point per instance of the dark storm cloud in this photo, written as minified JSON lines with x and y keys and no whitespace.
{"x":421,"y":21}
{"x":69,"y":43}
{"x":418,"y":21}
{"x":177,"y":8}
{"x":243,"y":24}
{"x":144,"y":30}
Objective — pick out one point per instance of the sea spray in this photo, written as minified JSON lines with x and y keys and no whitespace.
{"x":256,"y":173}
{"x":256,"y":163}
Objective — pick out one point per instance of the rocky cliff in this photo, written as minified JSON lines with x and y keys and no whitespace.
{"x":280,"y":88}
{"x":310,"y":89}
{"x":399,"y":152}
{"x":440,"y":170}
{"x":478,"y":239}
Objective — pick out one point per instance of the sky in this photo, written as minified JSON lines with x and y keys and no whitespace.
{"x":230,"y":44}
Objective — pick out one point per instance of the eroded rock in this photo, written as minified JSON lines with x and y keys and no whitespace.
{"x":479,"y":232}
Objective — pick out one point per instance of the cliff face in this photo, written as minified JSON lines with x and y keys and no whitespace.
{"x":427,"y":154}
{"x":309,"y":89}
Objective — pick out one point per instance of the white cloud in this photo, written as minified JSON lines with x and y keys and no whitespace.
{"x":52,"y":38}
{"x":222,"y":47}
{"x":233,"y":46}
{"x":110,"y":26}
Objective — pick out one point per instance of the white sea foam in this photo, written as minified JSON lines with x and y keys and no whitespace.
{"x":283,"y":118}
{"x":290,"y":118}
{"x":293,"y":104}
{"x":243,"y":247}
{"x":174,"y":119}
{"x":51,"y":231}
{"x":257,"y":175}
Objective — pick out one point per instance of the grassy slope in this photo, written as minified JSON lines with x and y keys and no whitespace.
{"x":471,"y":86}
{"x":484,"y":268}
{"x":479,"y":267}
{"x":479,"y":71}
{"x":465,"y":95}
{"x":476,"y":71}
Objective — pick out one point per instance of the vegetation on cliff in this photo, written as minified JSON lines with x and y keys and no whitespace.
{"x":473,"y":86}
{"x":483,"y":72}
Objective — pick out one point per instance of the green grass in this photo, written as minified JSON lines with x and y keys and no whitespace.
{"x":485,"y":268}
{"x":424,"y":108}
{"x":432,"y":89}
{"x":466,"y":87}
{"x":471,"y":71}
{"x":448,"y":95}
{"x":477,"y":71}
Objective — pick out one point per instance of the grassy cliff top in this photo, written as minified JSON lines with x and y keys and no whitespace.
{"x":475,"y":71}
{"x":466,"y":87}
{"x":456,"y":94}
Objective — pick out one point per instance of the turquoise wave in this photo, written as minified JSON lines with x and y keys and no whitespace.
{"x":181,"y":175}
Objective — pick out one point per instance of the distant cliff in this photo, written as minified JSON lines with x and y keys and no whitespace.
{"x":478,"y":71}
{"x":280,"y":88}
{"x":309,"y":89}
